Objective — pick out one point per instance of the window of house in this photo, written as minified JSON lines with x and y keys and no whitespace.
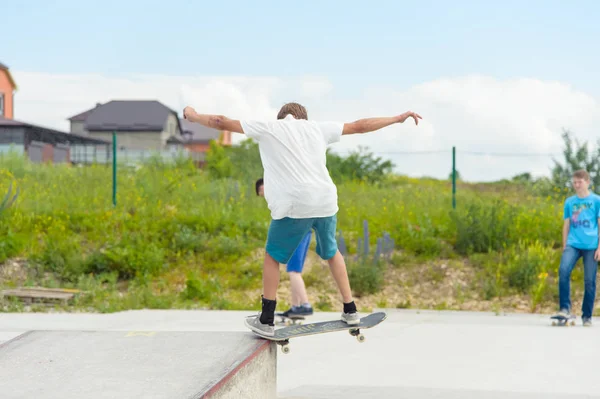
{"x":1,"y":104}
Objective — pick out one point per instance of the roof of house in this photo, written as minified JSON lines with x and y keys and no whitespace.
{"x":83,"y":116}
{"x":10,"y":122}
{"x":10,"y":78}
{"x":195,"y":132}
{"x":127,"y":115}
{"x":57,"y":136}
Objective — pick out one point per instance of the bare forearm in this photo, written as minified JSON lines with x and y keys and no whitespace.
{"x":565,"y":235}
{"x":214,"y":121}
{"x":218,"y":122}
{"x":372,"y":124}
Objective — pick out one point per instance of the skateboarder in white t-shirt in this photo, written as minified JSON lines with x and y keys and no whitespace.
{"x":299,"y":193}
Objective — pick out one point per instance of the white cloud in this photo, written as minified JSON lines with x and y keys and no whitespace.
{"x":480,"y":114}
{"x":474,"y":113}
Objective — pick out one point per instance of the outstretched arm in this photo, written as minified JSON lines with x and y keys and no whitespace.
{"x":371,"y":124}
{"x":218,"y":122}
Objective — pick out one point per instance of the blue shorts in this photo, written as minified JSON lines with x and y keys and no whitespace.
{"x":296,"y":262}
{"x":285,"y":235}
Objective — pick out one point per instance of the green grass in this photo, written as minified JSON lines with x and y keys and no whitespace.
{"x":178,"y":238}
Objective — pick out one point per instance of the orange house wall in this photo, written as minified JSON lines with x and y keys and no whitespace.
{"x":7,"y":88}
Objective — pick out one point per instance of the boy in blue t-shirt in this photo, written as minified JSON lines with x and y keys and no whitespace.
{"x":580,"y":240}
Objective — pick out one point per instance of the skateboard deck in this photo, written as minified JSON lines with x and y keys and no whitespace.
{"x":559,"y":320}
{"x":283,"y":335}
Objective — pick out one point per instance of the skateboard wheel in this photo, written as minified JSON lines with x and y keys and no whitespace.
{"x":361,"y":338}
{"x":285,"y":349}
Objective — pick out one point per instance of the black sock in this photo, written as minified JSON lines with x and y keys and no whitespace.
{"x":349,"y":307}
{"x":267,"y":315}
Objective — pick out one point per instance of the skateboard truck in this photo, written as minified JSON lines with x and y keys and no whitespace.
{"x":355,"y":332}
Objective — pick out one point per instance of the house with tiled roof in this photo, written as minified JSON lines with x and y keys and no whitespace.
{"x":7,"y":90}
{"x":145,"y":124}
{"x":138,"y":124}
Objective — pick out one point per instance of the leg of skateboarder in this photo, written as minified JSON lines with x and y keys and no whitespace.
{"x":300,"y":303}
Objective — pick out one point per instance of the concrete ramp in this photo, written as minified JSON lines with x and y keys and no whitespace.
{"x":137,"y":364}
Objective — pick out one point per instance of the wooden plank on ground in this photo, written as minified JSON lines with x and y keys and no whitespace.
{"x":41,"y":295}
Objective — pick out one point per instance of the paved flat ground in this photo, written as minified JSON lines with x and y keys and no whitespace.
{"x":413,"y":354}
{"x":447,"y":355}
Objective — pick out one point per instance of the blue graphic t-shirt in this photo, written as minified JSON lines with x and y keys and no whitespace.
{"x":583,"y":216}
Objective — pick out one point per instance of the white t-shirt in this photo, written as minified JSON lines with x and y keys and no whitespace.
{"x":297,"y":183}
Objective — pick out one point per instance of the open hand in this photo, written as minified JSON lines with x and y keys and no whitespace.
{"x":409,"y":114}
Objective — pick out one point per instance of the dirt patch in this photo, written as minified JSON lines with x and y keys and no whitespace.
{"x":13,"y":272}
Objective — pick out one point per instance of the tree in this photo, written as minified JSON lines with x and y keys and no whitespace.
{"x":457,"y":176}
{"x":523,"y":178}
{"x":576,"y":156}
{"x":360,"y":165}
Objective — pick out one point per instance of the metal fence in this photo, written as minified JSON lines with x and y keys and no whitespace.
{"x":6,"y":149}
{"x":89,"y":154}
{"x":102,"y":154}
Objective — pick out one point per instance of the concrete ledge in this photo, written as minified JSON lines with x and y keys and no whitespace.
{"x":137,"y":364}
{"x":254,"y":378}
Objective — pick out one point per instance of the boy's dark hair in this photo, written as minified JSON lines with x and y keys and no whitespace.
{"x":296,"y":110}
{"x":257,"y":185}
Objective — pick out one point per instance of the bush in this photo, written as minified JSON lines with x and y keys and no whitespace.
{"x":525,"y":263}
{"x":365,"y":277}
{"x":483,"y":226}
{"x":11,"y":243}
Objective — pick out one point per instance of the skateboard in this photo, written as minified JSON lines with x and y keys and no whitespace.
{"x":559,"y":320}
{"x":283,"y":335}
{"x":288,"y":320}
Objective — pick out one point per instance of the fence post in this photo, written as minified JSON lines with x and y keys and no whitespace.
{"x":114,"y":142}
{"x":453,"y":177}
